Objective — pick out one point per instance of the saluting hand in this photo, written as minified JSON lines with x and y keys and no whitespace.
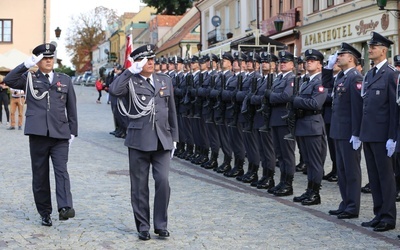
{"x":32,"y":61}
{"x":137,"y":66}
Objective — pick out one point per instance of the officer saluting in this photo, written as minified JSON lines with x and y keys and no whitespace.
{"x":151,"y":137}
{"x":378,"y":132}
{"x":52,"y":124}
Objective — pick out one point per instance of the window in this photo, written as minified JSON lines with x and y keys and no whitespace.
{"x":270,"y":8}
{"x":329,"y":3}
{"x":237,"y":13}
{"x":253,"y":10}
{"x":315,"y":5}
{"x":291,"y":4}
{"x":5,"y":30}
{"x":280,"y":6}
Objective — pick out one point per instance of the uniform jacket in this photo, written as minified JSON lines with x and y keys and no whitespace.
{"x":327,"y":82}
{"x":347,"y":105}
{"x":311,"y":97}
{"x":215,"y":93}
{"x":282,"y":90}
{"x":57,"y":120}
{"x":380,"y":110}
{"x":141,"y":134}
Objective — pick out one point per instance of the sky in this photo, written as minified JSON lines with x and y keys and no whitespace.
{"x":62,"y":10}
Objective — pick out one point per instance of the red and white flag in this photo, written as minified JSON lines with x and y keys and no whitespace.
{"x":128,"y":52}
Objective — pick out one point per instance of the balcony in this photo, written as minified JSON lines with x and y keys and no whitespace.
{"x":217,"y":35}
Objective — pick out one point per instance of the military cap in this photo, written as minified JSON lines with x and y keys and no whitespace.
{"x":118,"y":66}
{"x":227,"y":56}
{"x":178,"y":59}
{"x":361,"y":61}
{"x":214,"y":58}
{"x":313,"y":54}
{"x":285,"y":56}
{"x":194,"y":59}
{"x":171,"y":59}
{"x":253,"y":56}
{"x":377,"y":39}
{"x":396,"y":60}
{"x":347,"y":48}
{"x":163,"y":60}
{"x":143,"y":51}
{"x":266,"y":57}
{"x":204,"y":59}
{"x":157,"y":61}
{"x":47,"y":49}
{"x":236,"y":54}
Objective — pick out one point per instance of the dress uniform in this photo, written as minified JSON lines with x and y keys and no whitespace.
{"x":396,"y":157}
{"x":379,"y":131}
{"x":51,"y":121}
{"x":280,"y":94}
{"x":310,"y":127}
{"x":346,"y":121}
{"x":152,"y":131}
{"x":265,"y":142}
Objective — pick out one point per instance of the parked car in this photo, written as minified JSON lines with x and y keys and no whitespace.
{"x":77,"y":80}
{"x":91,"y":81}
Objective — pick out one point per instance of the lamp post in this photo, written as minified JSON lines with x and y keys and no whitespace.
{"x":278,"y":23}
{"x":187,"y":50}
{"x":57,"y":32}
{"x":382,"y":4}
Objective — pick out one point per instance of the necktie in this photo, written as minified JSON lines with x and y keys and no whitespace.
{"x":374,"y":69}
{"x":48,"y":77}
{"x":149,"y":81}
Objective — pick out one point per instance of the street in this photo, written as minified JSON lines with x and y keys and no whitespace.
{"x":207,"y":210}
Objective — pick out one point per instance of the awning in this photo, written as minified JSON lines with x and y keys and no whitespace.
{"x":248,"y":43}
{"x":217,"y":49}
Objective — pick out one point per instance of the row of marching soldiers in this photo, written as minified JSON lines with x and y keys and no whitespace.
{"x":255,"y":106}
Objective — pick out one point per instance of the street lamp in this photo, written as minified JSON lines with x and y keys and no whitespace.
{"x":382,"y":4}
{"x":278,"y":23}
{"x":58,"y":32}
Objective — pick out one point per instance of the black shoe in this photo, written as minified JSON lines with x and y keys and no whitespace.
{"x":284,"y":190}
{"x":312,"y":199}
{"x":224,"y":168}
{"x":366,"y":189}
{"x":383,"y":226}
{"x":144,"y":235}
{"x":300,"y":167}
{"x":11,"y":128}
{"x":266,"y":184}
{"x":46,"y":221}
{"x":234,"y":172}
{"x":335,"y":212}
{"x":250,"y":178}
{"x":326,"y":177}
{"x":333,"y":178}
{"x":162,"y":232}
{"x":372,"y":223}
{"x":302,"y":197}
{"x":65,"y":213}
{"x":113,"y":132}
{"x":346,"y":215}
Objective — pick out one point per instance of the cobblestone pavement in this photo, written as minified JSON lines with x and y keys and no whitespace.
{"x":207,"y":210}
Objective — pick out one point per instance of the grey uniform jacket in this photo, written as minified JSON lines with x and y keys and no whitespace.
{"x":142,"y":135}
{"x":57,"y":117}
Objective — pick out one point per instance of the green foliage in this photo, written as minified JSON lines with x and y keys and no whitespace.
{"x":65,"y":70}
{"x":170,"y":7}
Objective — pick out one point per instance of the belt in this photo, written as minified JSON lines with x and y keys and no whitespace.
{"x":17,"y":96}
{"x":301,"y":112}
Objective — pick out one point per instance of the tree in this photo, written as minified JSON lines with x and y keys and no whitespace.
{"x":170,"y":7}
{"x":66,"y":70}
{"x":86,"y":31}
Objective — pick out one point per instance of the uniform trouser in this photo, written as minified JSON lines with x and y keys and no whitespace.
{"x":311,"y":147}
{"x":139,"y":168}
{"x":223,"y":135}
{"x":187,"y":129}
{"x":251,"y":144}
{"x":267,"y":153}
{"x":381,"y":180}
{"x":349,"y":176}
{"x":212,"y":132}
{"x":237,"y":142}
{"x":284,"y":149}
{"x":181,"y":129}
{"x":17,"y":103}
{"x":200,"y":136}
{"x":42,"y":148}
{"x":331,"y":145}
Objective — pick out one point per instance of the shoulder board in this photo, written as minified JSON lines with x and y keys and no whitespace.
{"x":162,"y":74}
{"x":392,"y":67}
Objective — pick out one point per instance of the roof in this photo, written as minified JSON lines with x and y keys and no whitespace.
{"x":183,"y":34}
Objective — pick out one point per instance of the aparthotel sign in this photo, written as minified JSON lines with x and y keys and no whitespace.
{"x":336,"y":34}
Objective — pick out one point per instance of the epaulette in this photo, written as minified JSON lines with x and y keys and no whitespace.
{"x":162,"y":74}
{"x":392,"y":67}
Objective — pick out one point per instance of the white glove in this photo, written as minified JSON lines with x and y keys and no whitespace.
{"x":32,"y":61}
{"x":390,"y":147}
{"x":355,"y":140}
{"x":331,"y":61}
{"x":71,"y":140}
{"x":137,"y":66}
{"x":173,"y":150}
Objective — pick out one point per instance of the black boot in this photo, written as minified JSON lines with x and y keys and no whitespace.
{"x":195,"y":155}
{"x":180,"y":149}
{"x":280,"y":184}
{"x":287,"y":188}
{"x":269,"y":180}
{"x":304,"y":195}
{"x":188,"y":152}
{"x":237,"y":170}
{"x":248,"y":173}
{"x":253,"y":176}
{"x":262,"y":179}
{"x":398,"y":188}
{"x":213,"y":162}
{"x":203,"y":157}
{"x":313,"y":197}
{"x":225,"y":166}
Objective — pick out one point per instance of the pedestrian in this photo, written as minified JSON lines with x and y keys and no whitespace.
{"x":51,"y":124}
{"x":379,"y":131}
{"x":17,"y":102}
{"x":345,"y":130}
{"x":4,"y":100}
{"x":99,"y":87}
{"x":151,"y":138}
